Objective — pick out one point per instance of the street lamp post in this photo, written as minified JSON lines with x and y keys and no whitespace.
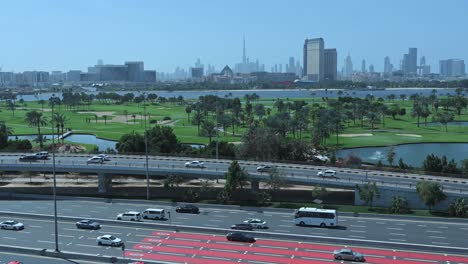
{"x":55,"y":178}
{"x":146,"y":151}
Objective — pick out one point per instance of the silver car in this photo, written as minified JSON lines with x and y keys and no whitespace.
{"x":11,"y":225}
{"x":194,"y":164}
{"x":348,"y":254}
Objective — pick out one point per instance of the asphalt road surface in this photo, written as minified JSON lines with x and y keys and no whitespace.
{"x":302,"y":172}
{"x":415,"y":230}
{"x":196,"y":248}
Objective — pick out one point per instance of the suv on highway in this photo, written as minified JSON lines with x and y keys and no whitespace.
{"x":129,"y":216}
{"x":156,"y":214}
{"x":42,"y":155}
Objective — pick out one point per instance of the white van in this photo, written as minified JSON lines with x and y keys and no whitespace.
{"x":154,"y":214}
{"x":129,"y":216}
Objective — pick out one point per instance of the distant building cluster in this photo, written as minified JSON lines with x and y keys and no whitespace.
{"x":132,"y":71}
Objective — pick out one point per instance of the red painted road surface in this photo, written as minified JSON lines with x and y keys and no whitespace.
{"x":211,"y":249}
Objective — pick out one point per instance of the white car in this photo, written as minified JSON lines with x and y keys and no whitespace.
{"x":266,"y":168}
{"x":109,"y":240}
{"x":129,"y":216}
{"x":95,"y":160}
{"x":104,"y":157}
{"x":327,"y":174}
{"x":256,"y":223}
{"x":195,"y":164}
{"x":11,"y":225}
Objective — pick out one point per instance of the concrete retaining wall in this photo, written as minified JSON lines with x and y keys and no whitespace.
{"x":414,"y":202}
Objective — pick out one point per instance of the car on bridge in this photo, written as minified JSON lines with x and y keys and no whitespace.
{"x":88,"y":224}
{"x":30,"y":158}
{"x":327,"y":174}
{"x":43,"y":155}
{"x":109,"y":240}
{"x":257,"y":223}
{"x":240,"y":237}
{"x":11,"y":225}
{"x":348,"y":254}
{"x":104,"y":157}
{"x":95,"y":160}
{"x":194,"y":164}
{"x":266,"y":168}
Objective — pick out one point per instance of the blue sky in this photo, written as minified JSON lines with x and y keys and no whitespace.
{"x":63,"y":35}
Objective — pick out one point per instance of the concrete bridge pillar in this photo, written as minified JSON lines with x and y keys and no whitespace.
{"x":104,"y":183}
{"x":254,"y":186}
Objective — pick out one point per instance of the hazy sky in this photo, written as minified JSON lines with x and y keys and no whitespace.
{"x":63,"y":35}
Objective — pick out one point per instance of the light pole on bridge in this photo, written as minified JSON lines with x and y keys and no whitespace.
{"x":146,"y":150}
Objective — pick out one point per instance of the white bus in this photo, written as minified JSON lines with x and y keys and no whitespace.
{"x":305,"y":216}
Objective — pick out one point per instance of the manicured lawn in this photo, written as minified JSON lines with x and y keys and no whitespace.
{"x":128,"y":118}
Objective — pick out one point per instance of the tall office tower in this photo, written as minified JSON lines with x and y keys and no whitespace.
{"x":291,"y":67}
{"x":371,"y":68}
{"x":413,"y":61}
{"x":405,"y":64}
{"x":363,"y":66}
{"x":298,"y":69}
{"x":313,"y":59}
{"x":330,"y":64}
{"x":422,"y":65}
{"x":348,"y":66}
{"x":387,"y":65}
{"x":280,"y":67}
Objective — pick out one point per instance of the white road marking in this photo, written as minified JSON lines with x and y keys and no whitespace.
{"x":433,"y":231}
{"x":9,"y":237}
{"x":394,"y":228}
{"x":283,"y":231}
{"x":358,"y":231}
{"x":424,"y":260}
{"x":439,"y":237}
{"x":396,"y":239}
{"x":397,"y":234}
{"x":358,"y":226}
{"x":33,"y":226}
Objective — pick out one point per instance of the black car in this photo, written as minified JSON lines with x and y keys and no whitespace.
{"x":241,"y":237}
{"x":187,"y":208}
{"x":245,"y":226}
{"x":28,"y":158}
{"x":87,"y":224}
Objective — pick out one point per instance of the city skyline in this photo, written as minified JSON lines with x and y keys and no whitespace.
{"x":69,"y":40}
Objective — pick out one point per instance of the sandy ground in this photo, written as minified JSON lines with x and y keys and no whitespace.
{"x":355,"y":135}
{"x":408,"y":135}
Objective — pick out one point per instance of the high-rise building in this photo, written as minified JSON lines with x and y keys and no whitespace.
{"x":412,"y":61}
{"x":452,"y":68}
{"x":246,"y":66}
{"x":348,"y":68}
{"x":330,"y":64}
{"x":314,"y":59}
{"x":371,"y":68}
{"x":388,"y":66}
{"x":363,"y":66}
{"x":291,"y":66}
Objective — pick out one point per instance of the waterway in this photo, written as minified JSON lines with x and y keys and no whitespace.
{"x":282,"y":94}
{"x":103,"y":144}
{"x":412,"y":154}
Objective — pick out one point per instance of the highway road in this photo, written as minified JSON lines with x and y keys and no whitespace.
{"x":29,"y":259}
{"x":300,"y":173}
{"x":199,"y":248}
{"x":429,"y":231}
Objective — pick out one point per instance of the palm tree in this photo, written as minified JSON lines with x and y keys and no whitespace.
{"x":188,"y":110}
{"x":60,"y":120}
{"x":35,"y":119}
{"x":4,"y":133}
{"x":42,"y":102}
{"x":209,"y":129}
{"x":105,"y":119}
{"x":134,"y":116}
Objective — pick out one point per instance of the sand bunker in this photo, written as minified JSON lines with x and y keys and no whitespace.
{"x":355,"y":135}
{"x":408,"y":135}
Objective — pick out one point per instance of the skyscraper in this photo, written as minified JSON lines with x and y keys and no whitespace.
{"x":452,"y":68}
{"x":412,"y":61}
{"x":388,"y":67}
{"x":363,"y":66}
{"x":330,"y":64}
{"x":348,"y":69}
{"x":313,"y":59}
{"x":371,"y":68}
